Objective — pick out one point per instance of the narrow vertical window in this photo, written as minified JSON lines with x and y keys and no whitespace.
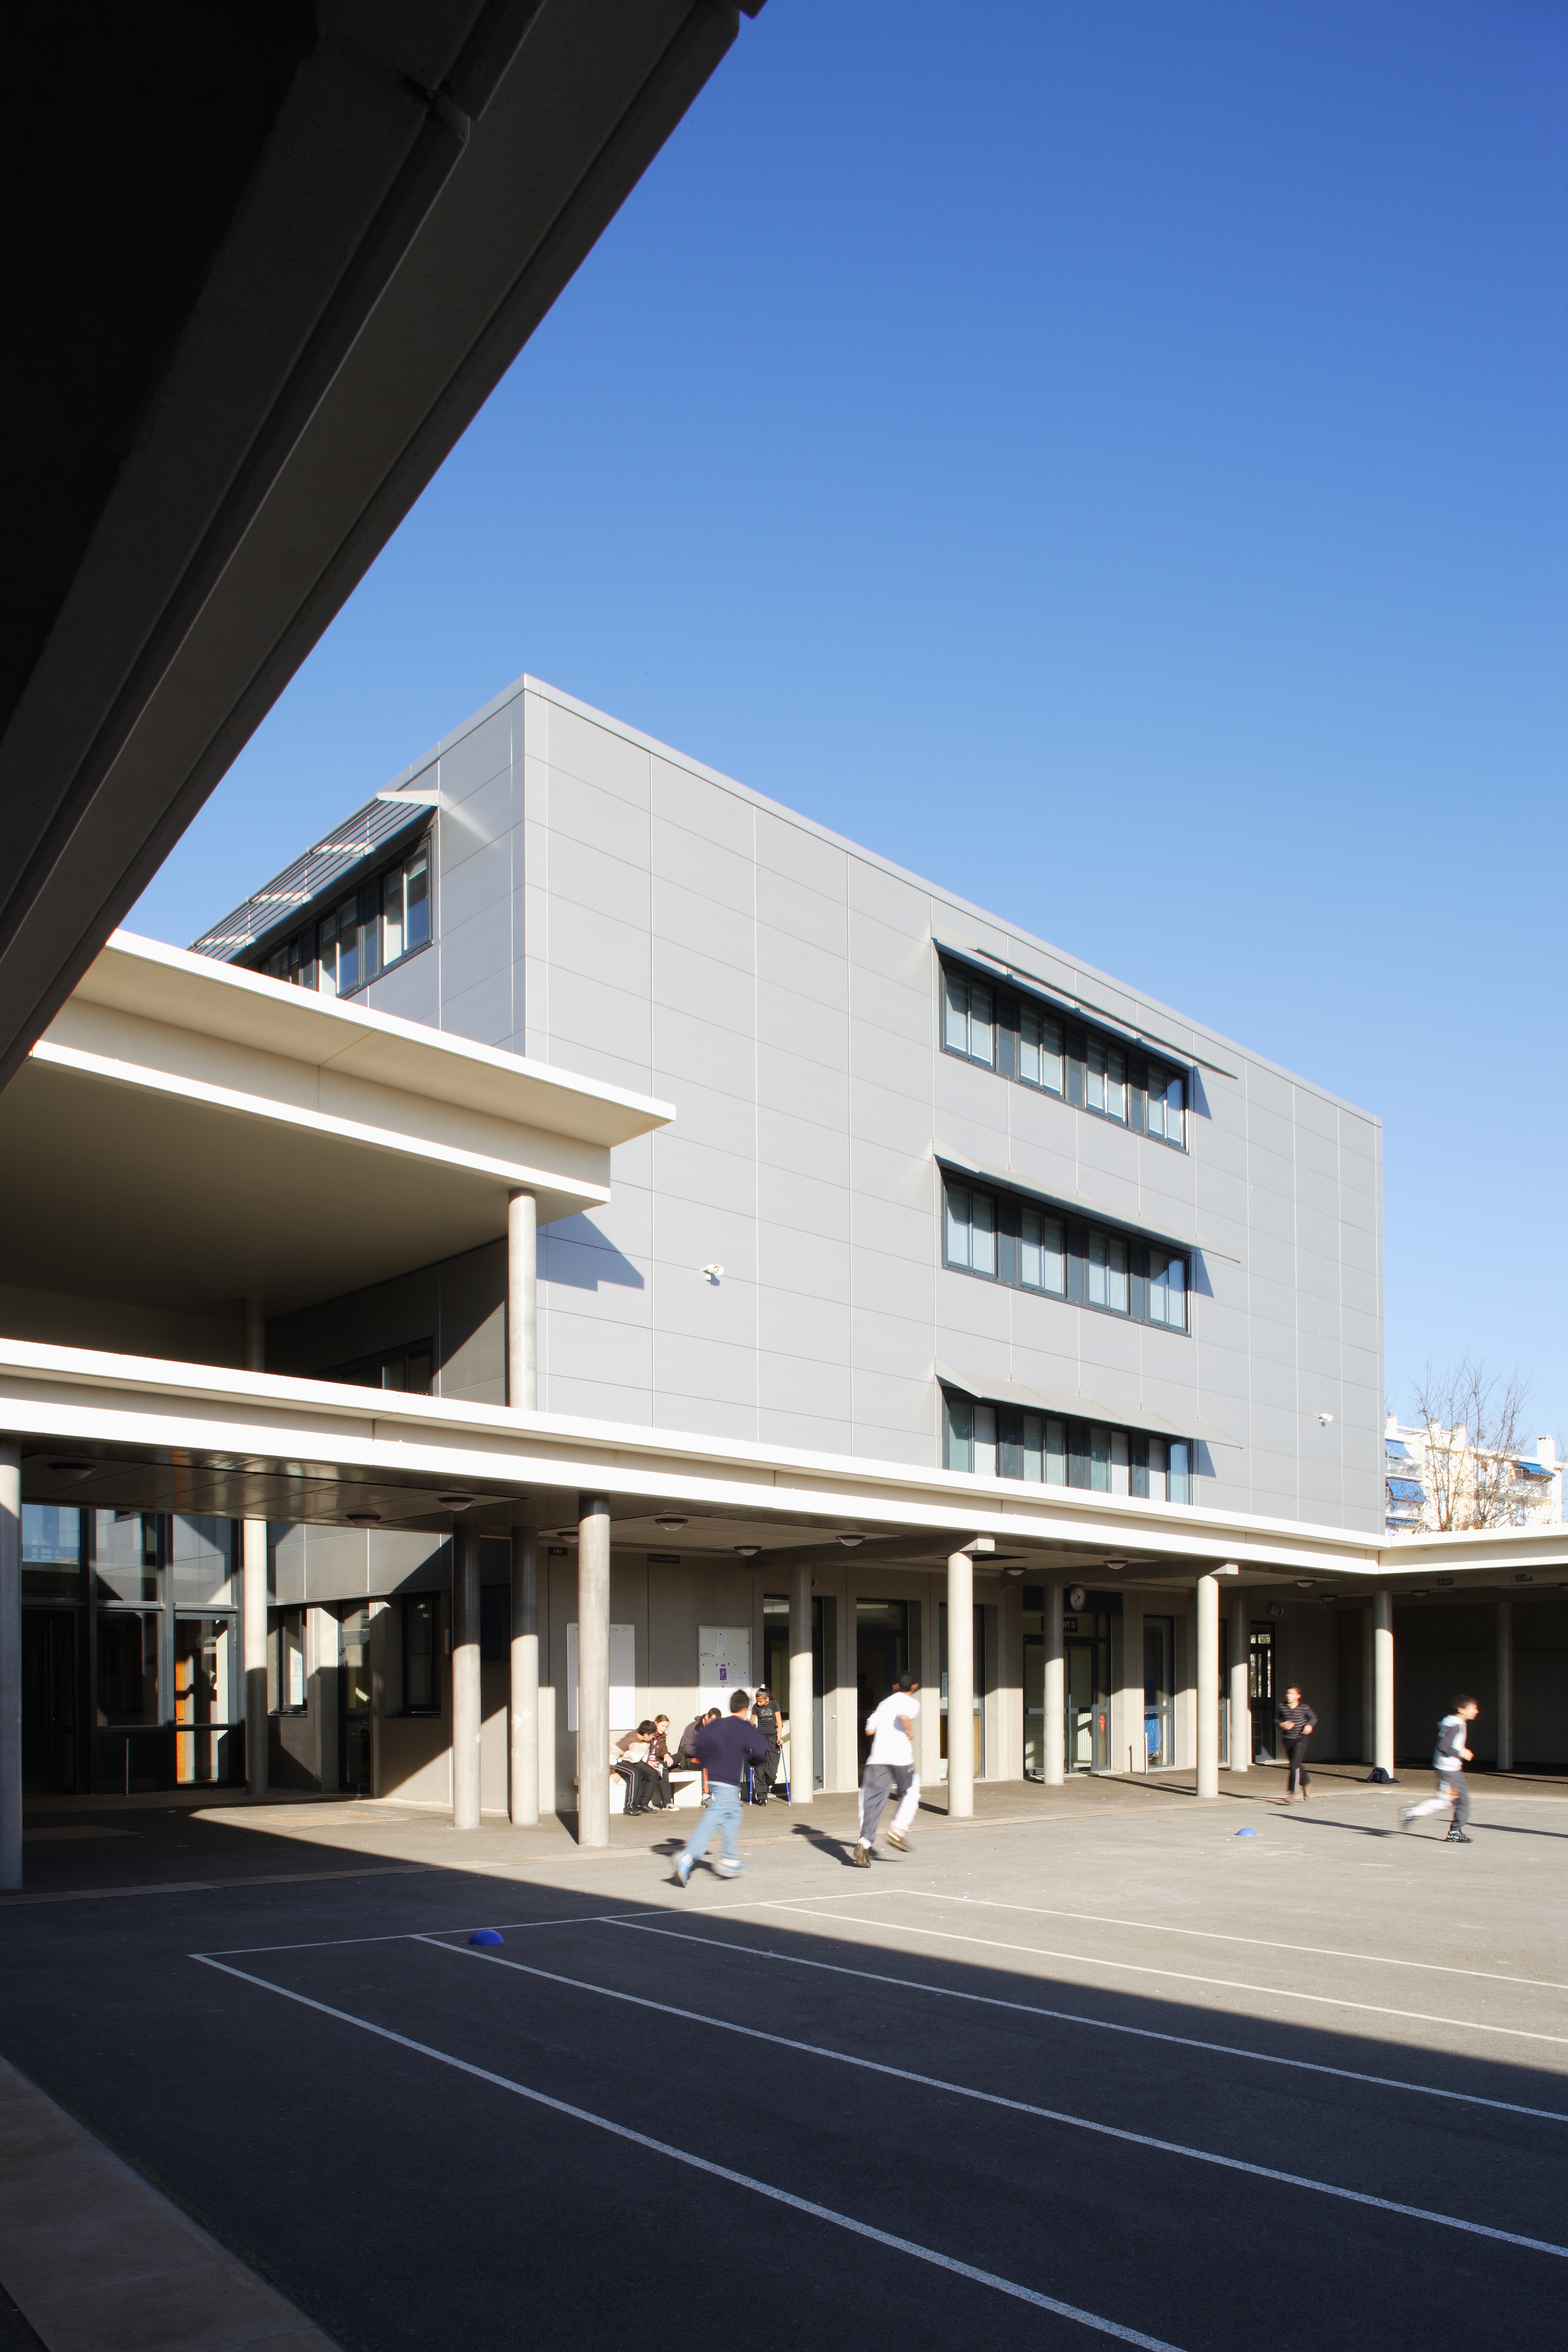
{"x":982,"y":1233}
{"x":392,"y":917}
{"x":1035,"y":1448}
{"x":982,"y":1028}
{"x":1095,"y":1081}
{"x":1137,"y":1465}
{"x":958,"y":1419}
{"x":954,"y":1013}
{"x":1115,"y":1082}
{"x":955,"y":1230}
{"x":986,"y":1440}
{"x":1056,"y":1453}
{"x":419,"y":1654}
{"x":1119,"y":1466}
{"x":1179,"y":1476}
{"x":416,"y":900}
{"x":1099,"y":1460}
{"x":1157,"y":1454}
{"x":1116,"y":1275}
{"x":1175,"y":1096}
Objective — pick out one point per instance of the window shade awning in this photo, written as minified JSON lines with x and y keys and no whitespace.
{"x":1075,"y":1405}
{"x":1082,"y":1205}
{"x":1062,"y":1000}
{"x":1396,"y":1450}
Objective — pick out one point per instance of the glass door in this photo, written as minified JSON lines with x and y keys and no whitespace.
{"x":203,"y":1678}
{"x":1159,"y":1693}
{"x":1087,"y":1645}
{"x":1261,"y":1690}
{"x":49,"y":1702}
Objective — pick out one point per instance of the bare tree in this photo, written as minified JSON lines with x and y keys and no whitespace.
{"x":1472,"y":1420}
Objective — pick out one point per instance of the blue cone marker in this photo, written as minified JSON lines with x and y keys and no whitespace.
{"x":479,"y":1939}
{"x":488,"y":1935}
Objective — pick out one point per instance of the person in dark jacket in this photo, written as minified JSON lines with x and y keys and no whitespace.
{"x":724,"y":1749}
{"x":1297,"y":1722}
{"x":765,"y":1716}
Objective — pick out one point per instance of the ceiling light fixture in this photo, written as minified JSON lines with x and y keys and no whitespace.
{"x":72,"y":1469}
{"x":455,"y":1502}
{"x":1116,"y":1563}
{"x":748,"y":1551}
{"x":671,"y":1525}
{"x":850,"y":1542}
{"x":1305,"y":1583}
{"x":364,"y":1519}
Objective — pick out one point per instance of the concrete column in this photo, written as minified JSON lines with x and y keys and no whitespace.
{"x":10,"y":1665}
{"x":253,"y":1651}
{"x":523,"y":1302}
{"x":253,"y":1548}
{"x":802,"y":1696}
{"x":1208,"y":1687}
{"x":960,"y":1686}
{"x":1505,"y":1686}
{"x":1383,"y":1680}
{"x":466,"y":1711}
{"x":593,"y":1671}
{"x":1056,"y":1731}
{"x":1240,"y":1702}
{"x":523,"y":1696}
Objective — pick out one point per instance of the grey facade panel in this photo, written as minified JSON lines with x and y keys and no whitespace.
{"x":610,"y":906}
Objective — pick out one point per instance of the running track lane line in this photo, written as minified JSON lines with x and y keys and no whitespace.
{"x":1179,"y":1975}
{"x":1216,"y":1936}
{"x":705,"y":2164}
{"x":994,"y":2099}
{"x":1060,"y":2016}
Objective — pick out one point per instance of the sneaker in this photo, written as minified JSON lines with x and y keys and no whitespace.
{"x":1457,"y":1837}
{"x":897,"y":1837}
{"x":861,"y":1857}
{"x":1406,"y":1815}
{"x":730,"y":1869}
{"x":682,"y":1868}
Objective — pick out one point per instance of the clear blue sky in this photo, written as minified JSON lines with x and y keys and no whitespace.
{"x":1109,"y":458}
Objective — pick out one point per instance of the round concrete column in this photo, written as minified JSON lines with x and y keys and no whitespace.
{"x":960,"y":1686}
{"x":1505,"y":1686}
{"x":1240,"y":1665}
{"x":802,"y":1695}
{"x":253,"y":1651}
{"x":1383,"y":1681}
{"x":465,"y":1677}
{"x":253,"y":1592}
{"x":523,"y":1302}
{"x":1208,"y":1687}
{"x":593,"y":1671}
{"x":522,"y":1708}
{"x":10,"y":1665}
{"x":1055,"y":1723}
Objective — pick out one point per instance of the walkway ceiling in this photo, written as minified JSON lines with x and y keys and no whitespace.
{"x":270,"y":261}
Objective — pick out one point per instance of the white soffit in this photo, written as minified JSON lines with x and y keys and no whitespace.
{"x":218,"y":1000}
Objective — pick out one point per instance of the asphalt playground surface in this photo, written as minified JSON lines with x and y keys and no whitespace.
{"x":1093,"y":2068}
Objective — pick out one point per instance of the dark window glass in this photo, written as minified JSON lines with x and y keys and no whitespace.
{"x":419,"y":1654}
{"x":51,"y":1552}
{"x":127,"y":1667}
{"x":125,"y":1555}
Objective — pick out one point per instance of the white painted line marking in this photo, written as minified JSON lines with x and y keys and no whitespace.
{"x":705,"y":2164}
{"x":995,"y":2099}
{"x":1184,"y":1976}
{"x":1215,"y":1936}
{"x":513,"y":1926}
{"x":1071,"y":2017}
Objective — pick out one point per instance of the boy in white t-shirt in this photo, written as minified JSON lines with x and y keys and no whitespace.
{"x":890,"y":1765}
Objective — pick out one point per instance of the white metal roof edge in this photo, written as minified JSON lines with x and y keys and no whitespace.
{"x":306,"y":1009}
{"x":771,"y":1477}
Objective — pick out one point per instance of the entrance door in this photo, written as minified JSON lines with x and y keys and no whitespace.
{"x":1088,"y":1675}
{"x":203,"y":1679}
{"x":1159,"y":1692}
{"x":49,"y":1702}
{"x":881,"y":1655}
{"x":1261,"y":1690}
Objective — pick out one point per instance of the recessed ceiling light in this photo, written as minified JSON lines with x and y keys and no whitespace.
{"x":671,"y":1525}
{"x":73,"y":1469}
{"x":850,"y":1542}
{"x":1305,"y":1583}
{"x":364,"y":1519}
{"x":1116,"y":1563}
{"x":748,"y":1551}
{"x":454,"y":1501}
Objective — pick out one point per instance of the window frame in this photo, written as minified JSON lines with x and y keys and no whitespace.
{"x":1083,"y":1454}
{"x":1079,"y":1236}
{"x":297,"y":961}
{"x":432,"y":1602}
{"x":1146,"y":1074}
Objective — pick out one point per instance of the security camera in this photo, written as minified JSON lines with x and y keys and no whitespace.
{"x":715,"y":1274}
{"x":1325,"y":1420}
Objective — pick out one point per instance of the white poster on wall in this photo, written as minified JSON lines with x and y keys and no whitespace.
{"x":723,"y":1663}
{"x":623,"y":1677}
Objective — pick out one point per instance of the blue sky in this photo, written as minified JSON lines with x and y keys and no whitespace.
{"x":1111,"y":459}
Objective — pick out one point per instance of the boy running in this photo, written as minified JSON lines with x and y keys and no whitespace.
{"x":1448,"y":1762}
{"x":724,"y":1750}
{"x":890,"y":1765}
